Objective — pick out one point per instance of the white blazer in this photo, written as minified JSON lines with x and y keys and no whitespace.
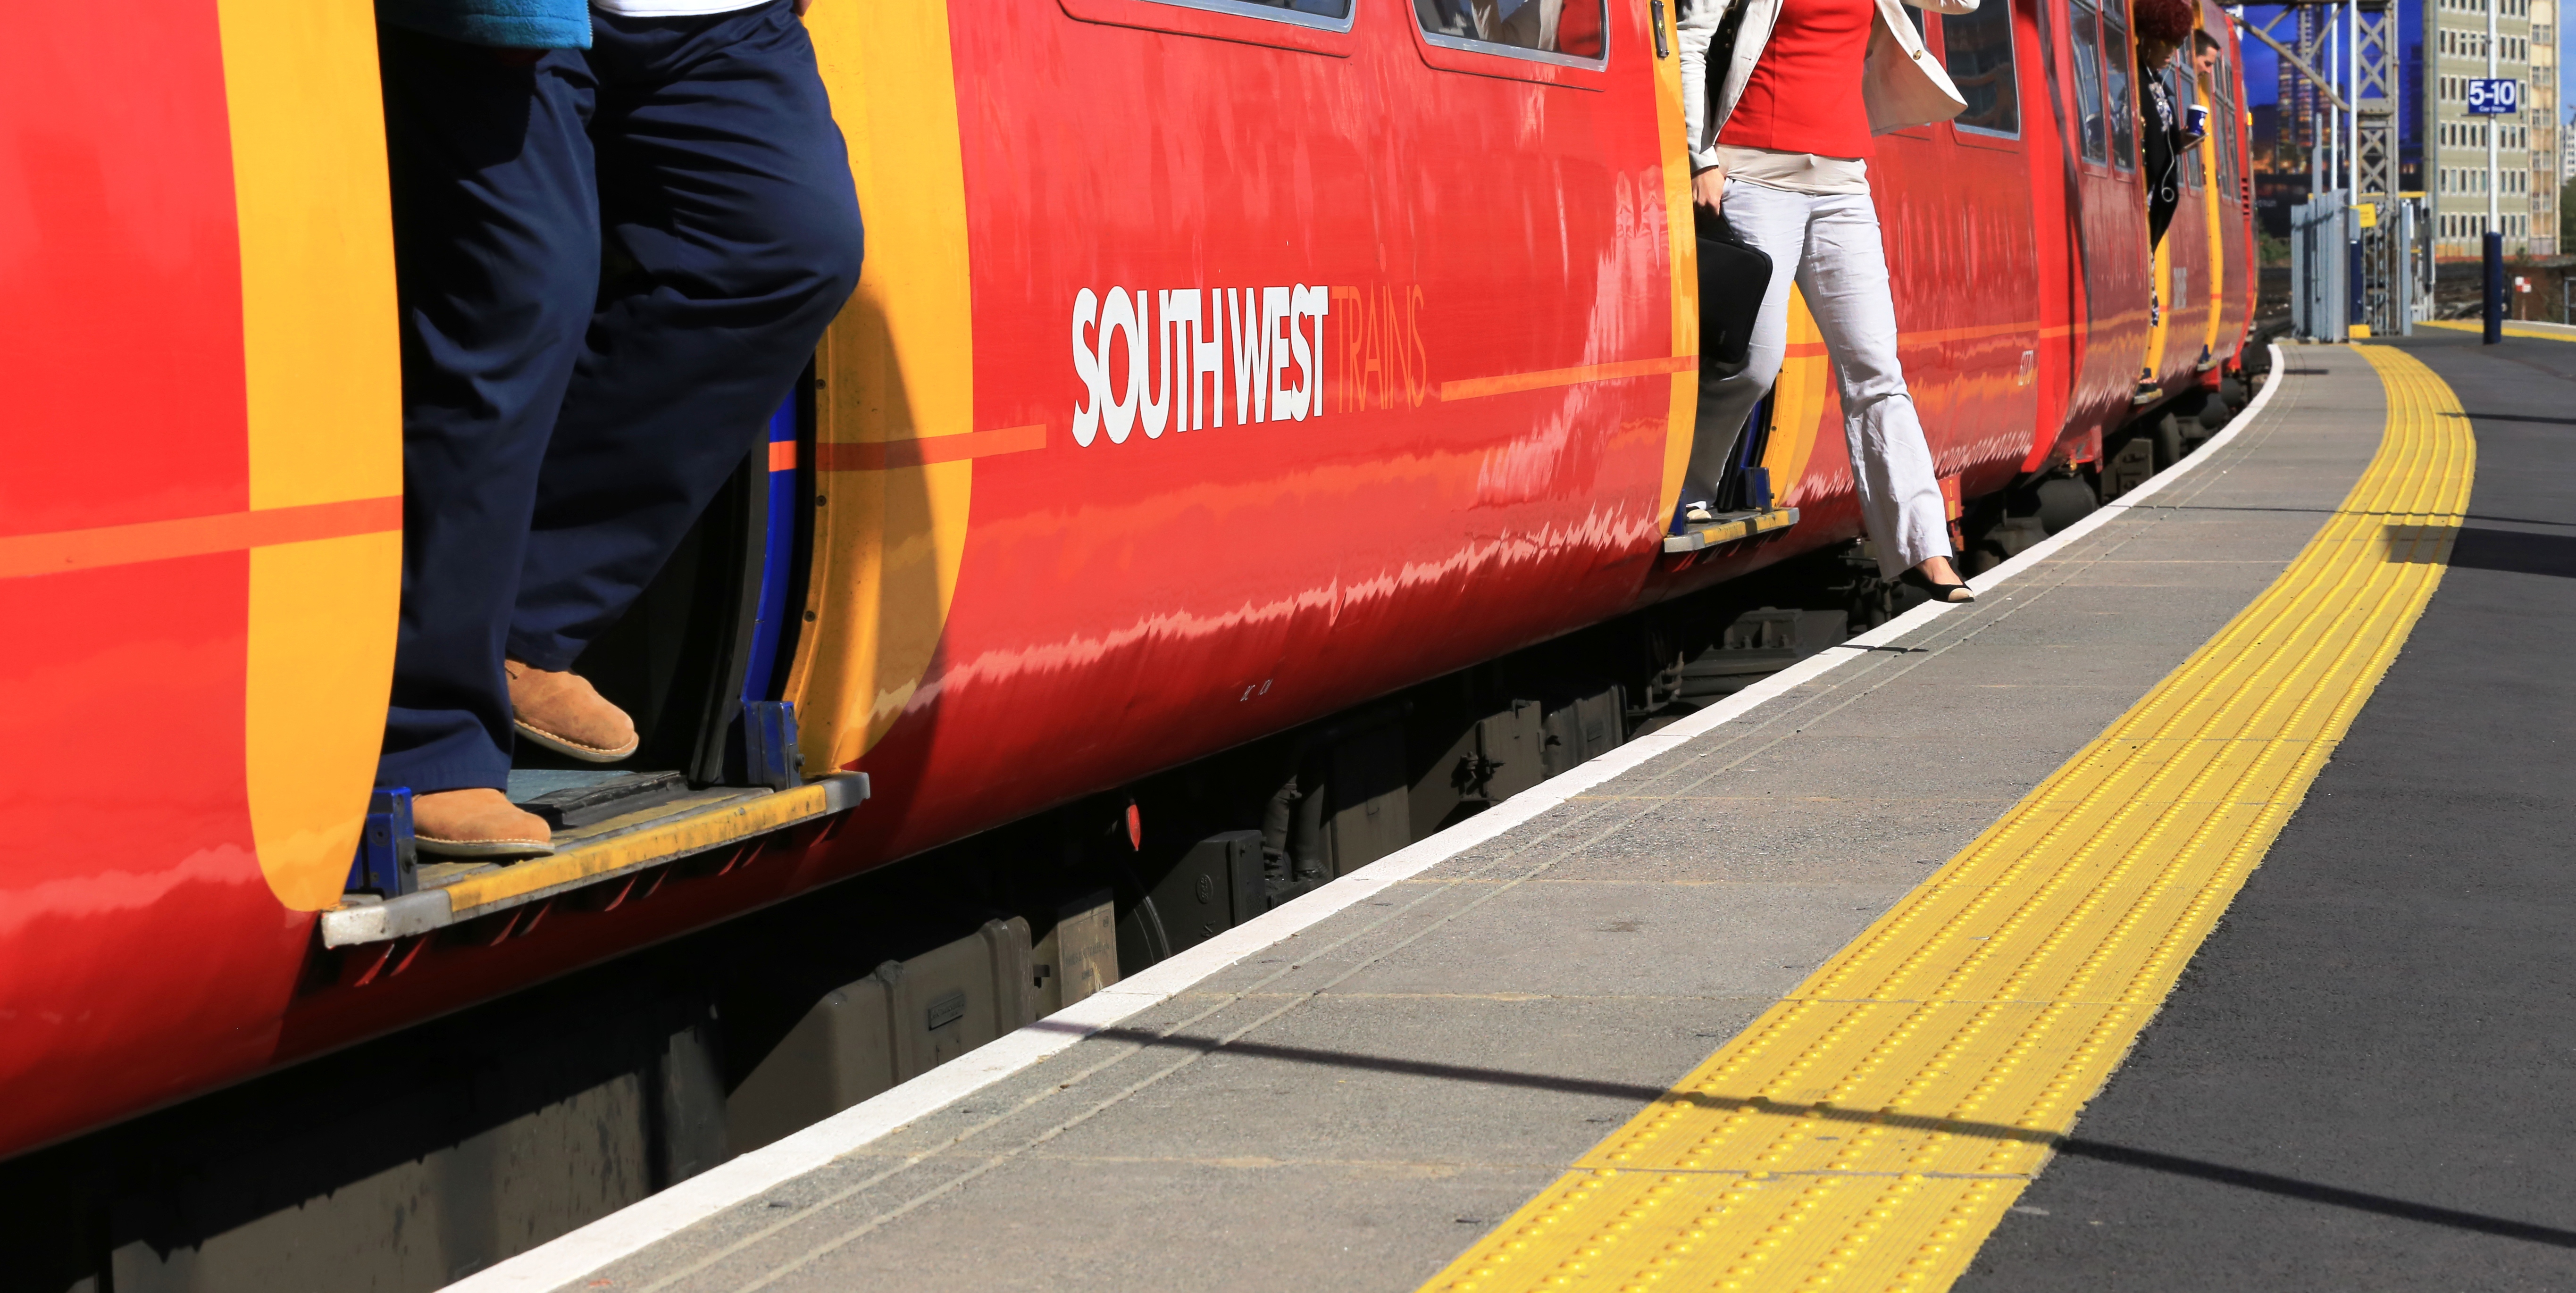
{"x":1901,"y":84}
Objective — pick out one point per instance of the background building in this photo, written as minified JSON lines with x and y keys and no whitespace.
{"x":2542,"y":113}
{"x":2452,"y":53}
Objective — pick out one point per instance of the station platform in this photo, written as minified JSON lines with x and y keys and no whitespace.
{"x":1821,"y":987}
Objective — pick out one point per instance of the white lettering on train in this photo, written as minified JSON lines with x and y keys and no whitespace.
{"x":1141,"y":356}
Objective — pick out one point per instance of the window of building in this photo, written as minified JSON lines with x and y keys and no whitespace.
{"x":1978,"y":48}
{"x":1550,"y":30}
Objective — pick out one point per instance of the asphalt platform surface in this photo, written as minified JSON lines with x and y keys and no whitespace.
{"x":2367,"y":1079}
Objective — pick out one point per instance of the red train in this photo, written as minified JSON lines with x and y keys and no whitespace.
{"x":1218,"y":366}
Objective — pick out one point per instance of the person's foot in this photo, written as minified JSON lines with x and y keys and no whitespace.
{"x":1938,"y":578}
{"x":1698,"y":514}
{"x":478,"y":823}
{"x":565,"y":714}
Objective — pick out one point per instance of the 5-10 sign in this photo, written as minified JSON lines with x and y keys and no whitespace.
{"x":2494,"y":98}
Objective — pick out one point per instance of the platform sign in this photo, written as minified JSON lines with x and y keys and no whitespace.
{"x":2497,"y":97}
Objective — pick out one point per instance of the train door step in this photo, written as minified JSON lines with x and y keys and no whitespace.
{"x":652,"y":822}
{"x":575,"y":799}
{"x":1729,"y":527}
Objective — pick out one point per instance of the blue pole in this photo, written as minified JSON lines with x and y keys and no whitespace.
{"x":2495,"y":287}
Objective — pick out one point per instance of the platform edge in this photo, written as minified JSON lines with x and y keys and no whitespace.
{"x":630,"y":1230}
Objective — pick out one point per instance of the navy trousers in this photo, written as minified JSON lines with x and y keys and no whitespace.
{"x":612,"y":265}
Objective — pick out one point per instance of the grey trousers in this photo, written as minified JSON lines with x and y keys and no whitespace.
{"x":1829,"y":246}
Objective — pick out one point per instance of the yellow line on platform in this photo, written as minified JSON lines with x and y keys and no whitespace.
{"x":2511,"y":329}
{"x":1869,"y":1130}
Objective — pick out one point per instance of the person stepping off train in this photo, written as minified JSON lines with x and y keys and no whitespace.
{"x":1780,"y":99}
{"x":564,"y":427}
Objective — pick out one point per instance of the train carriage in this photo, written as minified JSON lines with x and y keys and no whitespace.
{"x":1218,"y":366}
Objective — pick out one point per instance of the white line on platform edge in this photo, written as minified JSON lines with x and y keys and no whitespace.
{"x":629,"y":1230}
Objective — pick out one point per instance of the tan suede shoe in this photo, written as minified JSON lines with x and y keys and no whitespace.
{"x":477,"y":824}
{"x":565,"y":714}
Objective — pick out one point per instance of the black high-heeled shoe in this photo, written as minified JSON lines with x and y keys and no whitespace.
{"x":1954,"y":594}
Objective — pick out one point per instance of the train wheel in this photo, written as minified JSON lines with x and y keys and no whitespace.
{"x":2166,"y":436}
{"x":2064,"y":500}
{"x":2215,"y":415}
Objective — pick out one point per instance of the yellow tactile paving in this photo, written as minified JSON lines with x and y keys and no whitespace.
{"x":2511,"y":329}
{"x":1868,"y":1131}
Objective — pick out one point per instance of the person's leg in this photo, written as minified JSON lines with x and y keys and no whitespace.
{"x":496,"y":246}
{"x":1844,"y":276}
{"x":723,"y":179}
{"x":1775,"y":223}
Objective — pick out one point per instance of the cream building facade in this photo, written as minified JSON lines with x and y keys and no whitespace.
{"x":2456,"y":174}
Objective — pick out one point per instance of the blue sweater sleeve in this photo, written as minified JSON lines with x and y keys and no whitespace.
{"x":513,"y":24}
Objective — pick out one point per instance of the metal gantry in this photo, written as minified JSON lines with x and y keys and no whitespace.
{"x":2359,"y":226}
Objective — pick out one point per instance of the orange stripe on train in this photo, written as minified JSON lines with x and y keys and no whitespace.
{"x":61,"y":551}
{"x":885,"y":454}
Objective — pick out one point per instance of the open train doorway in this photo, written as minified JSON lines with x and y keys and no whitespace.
{"x":699,"y":660}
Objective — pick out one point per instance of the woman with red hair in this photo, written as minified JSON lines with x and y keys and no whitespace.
{"x":2163,"y":26}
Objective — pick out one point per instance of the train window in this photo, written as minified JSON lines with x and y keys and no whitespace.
{"x":2085,"y":33}
{"x":1553,"y":31}
{"x":2118,"y":104}
{"x":1978,"y":48}
{"x":2181,"y":91}
{"x":2222,"y":115}
{"x":1333,"y":14}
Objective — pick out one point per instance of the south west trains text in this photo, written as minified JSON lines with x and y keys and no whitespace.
{"x":1186,"y":359}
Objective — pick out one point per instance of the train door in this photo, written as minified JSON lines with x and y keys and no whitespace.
{"x":695,"y":660}
{"x":2051,"y":156}
{"x":2215,"y":203}
{"x":2098,"y":118}
{"x":1956,"y":200}
{"x":2233,"y":283}
{"x":2185,"y":261}
{"x":893,"y":448}
{"x":2115,"y":215}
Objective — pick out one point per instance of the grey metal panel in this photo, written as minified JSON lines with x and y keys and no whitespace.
{"x":361,"y":921}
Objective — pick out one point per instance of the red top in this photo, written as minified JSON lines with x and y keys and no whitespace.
{"x":1804,"y":95}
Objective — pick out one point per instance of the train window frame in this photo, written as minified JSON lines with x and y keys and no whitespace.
{"x":1271,"y":13}
{"x":1988,"y":136}
{"x":2178,"y":80}
{"x":1511,"y":62}
{"x":1228,"y":20}
{"x":2092,"y":138}
{"x":2124,"y":114}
